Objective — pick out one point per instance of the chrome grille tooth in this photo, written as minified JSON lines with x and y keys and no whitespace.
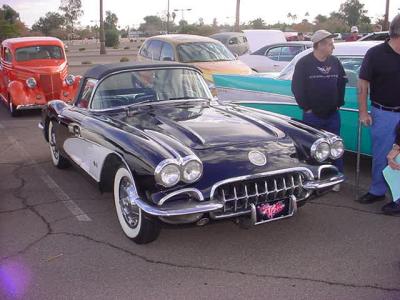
{"x":235,"y":198}
{"x":223,"y":198}
{"x":247,"y":196}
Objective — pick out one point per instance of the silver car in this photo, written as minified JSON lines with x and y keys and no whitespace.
{"x":236,"y":42}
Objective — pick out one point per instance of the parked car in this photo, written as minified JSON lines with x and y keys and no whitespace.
{"x":375,"y":36}
{"x":236,"y":42}
{"x":258,"y":38}
{"x":153,"y":135}
{"x":272,"y":92}
{"x":273,"y":58}
{"x":33,"y":71}
{"x":210,"y":55}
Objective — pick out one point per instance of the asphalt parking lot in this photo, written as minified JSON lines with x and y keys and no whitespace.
{"x":60,"y":239}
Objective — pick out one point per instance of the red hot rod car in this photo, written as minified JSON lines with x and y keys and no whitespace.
{"x":33,"y":71}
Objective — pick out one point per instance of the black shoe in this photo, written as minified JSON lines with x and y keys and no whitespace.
{"x":369,"y":198}
{"x":391,"y":208}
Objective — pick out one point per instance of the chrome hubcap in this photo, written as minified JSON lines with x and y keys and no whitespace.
{"x":127,"y":197}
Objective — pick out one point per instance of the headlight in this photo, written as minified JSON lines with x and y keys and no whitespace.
{"x":192,"y":170}
{"x":167,"y":173}
{"x":320,"y":150}
{"x":337,"y":148}
{"x":70,"y":79}
{"x":31,"y":82}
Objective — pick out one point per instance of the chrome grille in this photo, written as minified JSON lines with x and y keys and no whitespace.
{"x":237,"y":196}
{"x":51,"y":85}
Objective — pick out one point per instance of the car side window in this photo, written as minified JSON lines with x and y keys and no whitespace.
{"x":86,"y":94}
{"x":233,"y":41}
{"x":144,"y":51}
{"x":154,"y":50}
{"x":352,"y":67}
{"x":288,"y":53}
{"x":167,"y":52}
{"x":7,"y":55}
{"x":273,"y":53}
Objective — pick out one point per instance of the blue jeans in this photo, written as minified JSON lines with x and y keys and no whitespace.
{"x":383,"y":137}
{"x":331,"y":124}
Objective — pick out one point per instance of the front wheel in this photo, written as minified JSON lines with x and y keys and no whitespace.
{"x":136,"y":224}
{"x":58,"y":160}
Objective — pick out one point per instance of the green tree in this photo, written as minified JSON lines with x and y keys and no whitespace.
{"x":50,"y":23}
{"x":10,"y":25}
{"x":257,"y":23}
{"x":111,"y":20}
{"x":320,"y":19}
{"x":72,"y":10}
{"x":152,"y":24}
{"x":353,"y":12}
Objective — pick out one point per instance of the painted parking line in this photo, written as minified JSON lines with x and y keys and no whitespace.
{"x":51,"y":184}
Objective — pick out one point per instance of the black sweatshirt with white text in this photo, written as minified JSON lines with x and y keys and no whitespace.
{"x":319,"y":86}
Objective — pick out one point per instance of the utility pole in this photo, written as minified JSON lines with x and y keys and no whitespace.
{"x":237,"y":24}
{"x":386,"y":21}
{"x":102,"y":35}
{"x":168,"y":18}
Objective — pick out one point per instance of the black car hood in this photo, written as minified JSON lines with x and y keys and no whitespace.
{"x":198,"y":124}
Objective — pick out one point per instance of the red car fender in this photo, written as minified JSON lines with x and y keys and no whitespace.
{"x":17,"y":92}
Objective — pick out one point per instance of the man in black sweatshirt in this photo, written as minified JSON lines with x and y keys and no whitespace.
{"x":318,"y":85}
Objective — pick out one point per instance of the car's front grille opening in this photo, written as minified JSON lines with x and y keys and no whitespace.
{"x":237,"y":196}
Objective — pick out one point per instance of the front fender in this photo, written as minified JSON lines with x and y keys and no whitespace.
{"x":18,"y":93}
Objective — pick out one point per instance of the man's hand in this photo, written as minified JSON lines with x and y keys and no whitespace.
{"x":391,"y":159}
{"x":365,"y":118}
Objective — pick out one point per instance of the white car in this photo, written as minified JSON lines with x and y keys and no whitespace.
{"x":350,"y":54}
{"x":273,"y":58}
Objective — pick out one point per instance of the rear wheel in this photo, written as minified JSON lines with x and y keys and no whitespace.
{"x":59,"y":161}
{"x":136,"y":224}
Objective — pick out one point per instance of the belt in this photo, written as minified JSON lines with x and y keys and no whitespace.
{"x":386,"y":108}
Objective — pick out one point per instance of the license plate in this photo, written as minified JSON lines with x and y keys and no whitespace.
{"x":273,"y":210}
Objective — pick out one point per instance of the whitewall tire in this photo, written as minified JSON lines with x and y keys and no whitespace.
{"x":136,"y":224}
{"x":58,"y":160}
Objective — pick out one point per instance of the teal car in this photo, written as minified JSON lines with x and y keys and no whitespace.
{"x":272,"y":91}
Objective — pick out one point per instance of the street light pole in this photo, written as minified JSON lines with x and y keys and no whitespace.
{"x":237,"y":24}
{"x":386,"y":20}
{"x":168,"y":17}
{"x":102,"y":35}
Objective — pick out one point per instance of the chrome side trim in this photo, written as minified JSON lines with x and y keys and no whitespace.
{"x":40,"y":126}
{"x":304,"y":170}
{"x":191,"y":191}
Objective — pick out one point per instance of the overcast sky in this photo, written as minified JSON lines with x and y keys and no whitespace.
{"x":131,"y":12}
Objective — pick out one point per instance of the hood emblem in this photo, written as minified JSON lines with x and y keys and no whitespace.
{"x":257,"y":158}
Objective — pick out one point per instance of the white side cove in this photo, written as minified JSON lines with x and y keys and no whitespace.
{"x":88,"y":155}
{"x":239,"y":95}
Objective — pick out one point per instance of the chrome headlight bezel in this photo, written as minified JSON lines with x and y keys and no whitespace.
{"x":316,"y":146}
{"x":31,"y":82}
{"x":69,"y":79}
{"x":336,"y":141}
{"x":186,"y":163}
{"x":162,"y":167}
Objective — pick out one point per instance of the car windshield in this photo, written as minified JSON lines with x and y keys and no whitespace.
{"x":39,"y":52}
{"x":203,"y":52}
{"x":152,"y":85}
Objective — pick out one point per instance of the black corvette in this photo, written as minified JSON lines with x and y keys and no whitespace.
{"x":155,"y":137}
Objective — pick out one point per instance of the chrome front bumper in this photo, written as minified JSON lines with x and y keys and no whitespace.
{"x":199,"y":205}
